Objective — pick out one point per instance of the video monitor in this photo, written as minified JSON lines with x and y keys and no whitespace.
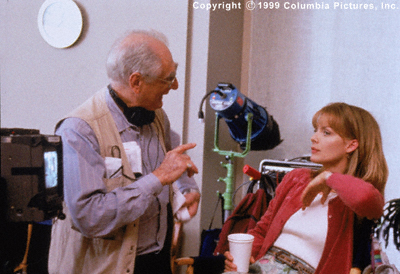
{"x":31,"y":175}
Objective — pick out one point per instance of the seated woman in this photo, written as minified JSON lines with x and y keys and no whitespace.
{"x":308,"y":226}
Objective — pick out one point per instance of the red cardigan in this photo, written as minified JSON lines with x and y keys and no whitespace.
{"x":353,"y":196}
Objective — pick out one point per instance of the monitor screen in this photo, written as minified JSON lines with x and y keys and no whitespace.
{"x":50,"y":169}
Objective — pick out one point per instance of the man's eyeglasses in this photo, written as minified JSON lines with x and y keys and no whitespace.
{"x":170,"y":81}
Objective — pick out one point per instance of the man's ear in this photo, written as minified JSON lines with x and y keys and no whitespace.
{"x":351,"y":145}
{"x":135,"y":81}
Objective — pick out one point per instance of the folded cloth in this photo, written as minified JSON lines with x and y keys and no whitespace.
{"x":180,"y":212}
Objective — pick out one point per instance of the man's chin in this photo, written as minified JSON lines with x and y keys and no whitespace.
{"x":160,"y":105}
{"x":154,"y":107}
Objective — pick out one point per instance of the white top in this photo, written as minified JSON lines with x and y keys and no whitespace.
{"x":304,"y":234}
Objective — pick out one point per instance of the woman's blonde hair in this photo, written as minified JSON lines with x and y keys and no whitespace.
{"x":367,"y":161}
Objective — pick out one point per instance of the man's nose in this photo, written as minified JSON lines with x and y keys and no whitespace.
{"x":175,"y":84}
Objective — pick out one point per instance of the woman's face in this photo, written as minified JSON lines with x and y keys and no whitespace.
{"x":329,"y":148}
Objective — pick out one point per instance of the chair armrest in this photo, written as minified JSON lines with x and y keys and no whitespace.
{"x":184,"y":261}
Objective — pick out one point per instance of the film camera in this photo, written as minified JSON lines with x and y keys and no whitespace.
{"x":31,"y":176}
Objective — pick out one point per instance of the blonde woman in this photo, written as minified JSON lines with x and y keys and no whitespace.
{"x":308,"y":227}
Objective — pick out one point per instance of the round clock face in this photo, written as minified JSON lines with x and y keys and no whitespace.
{"x":60,"y":22}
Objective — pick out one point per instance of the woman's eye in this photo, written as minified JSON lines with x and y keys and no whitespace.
{"x":326,"y":132}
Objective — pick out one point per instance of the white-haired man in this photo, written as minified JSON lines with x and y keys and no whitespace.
{"x":120,"y":158}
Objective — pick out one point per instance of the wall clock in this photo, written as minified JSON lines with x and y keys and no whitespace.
{"x":60,"y":22}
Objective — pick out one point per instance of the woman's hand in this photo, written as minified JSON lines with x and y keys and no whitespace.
{"x":229,"y":265}
{"x":317,"y":185}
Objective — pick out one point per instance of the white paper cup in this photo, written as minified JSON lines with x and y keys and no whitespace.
{"x":240,"y":245}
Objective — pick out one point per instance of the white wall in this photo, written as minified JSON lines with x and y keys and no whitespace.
{"x":303,"y":59}
{"x":40,"y":84}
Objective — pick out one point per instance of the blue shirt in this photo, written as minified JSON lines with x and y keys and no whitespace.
{"x":96,"y":212}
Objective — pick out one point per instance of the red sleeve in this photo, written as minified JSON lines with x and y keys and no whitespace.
{"x":360,"y":196}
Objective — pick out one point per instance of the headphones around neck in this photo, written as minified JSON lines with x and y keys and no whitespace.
{"x":137,"y":116}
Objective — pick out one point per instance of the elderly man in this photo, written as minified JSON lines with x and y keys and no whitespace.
{"x":120,"y":159}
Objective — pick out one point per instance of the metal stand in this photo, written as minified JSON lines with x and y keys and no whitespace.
{"x":229,"y":166}
{"x":23,"y":266}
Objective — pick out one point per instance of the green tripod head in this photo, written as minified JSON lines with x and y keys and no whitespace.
{"x":229,"y":166}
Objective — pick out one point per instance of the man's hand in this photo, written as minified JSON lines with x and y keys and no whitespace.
{"x":175,"y":163}
{"x":192,"y":202}
{"x":317,"y":185}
